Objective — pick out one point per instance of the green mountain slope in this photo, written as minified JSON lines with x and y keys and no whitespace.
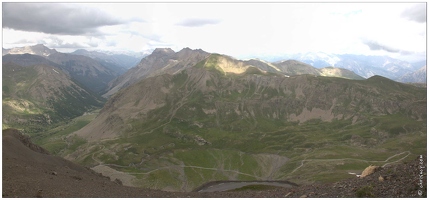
{"x":35,"y":97}
{"x":175,"y":132}
{"x":85,"y":70}
{"x":91,"y":74}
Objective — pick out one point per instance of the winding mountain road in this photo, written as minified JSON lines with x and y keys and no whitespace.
{"x":342,"y":159}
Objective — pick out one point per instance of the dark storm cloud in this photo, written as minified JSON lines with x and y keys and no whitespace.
{"x":415,"y":13}
{"x":198,"y":22}
{"x":55,"y":18}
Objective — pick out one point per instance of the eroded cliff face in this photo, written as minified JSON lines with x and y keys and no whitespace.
{"x":230,"y":101}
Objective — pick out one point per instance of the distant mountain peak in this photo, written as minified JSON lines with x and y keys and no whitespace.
{"x":163,"y":50}
{"x":81,"y":51}
{"x":39,"y":46}
{"x":187,"y":49}
{"x":38,"y":49}
{"x":418,"y":76}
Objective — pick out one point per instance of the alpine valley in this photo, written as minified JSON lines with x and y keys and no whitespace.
{"x":177,"y":120}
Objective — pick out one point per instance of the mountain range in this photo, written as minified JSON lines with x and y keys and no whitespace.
{"x":37,"y":92}
{"x":365,"y":66}
{"x":192,"y":116}
{"x":249,"y":92}
{"x":165,"y":60}
{"x":418,"y":76}
{"x":92,"y":74}
{"x":177,"y":120}
{"x":43,"y":87}
{"x":119,"y":62}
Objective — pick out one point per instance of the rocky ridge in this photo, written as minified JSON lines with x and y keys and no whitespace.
{"x":166,"y":61}
{"x":162,"y":60}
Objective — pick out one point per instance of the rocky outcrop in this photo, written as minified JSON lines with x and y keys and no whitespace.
{"x":369,"y":170}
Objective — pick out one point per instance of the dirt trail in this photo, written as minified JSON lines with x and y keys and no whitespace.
{"x":342,"y":159}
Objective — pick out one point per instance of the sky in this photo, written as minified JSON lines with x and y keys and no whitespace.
{"x":241,"y":30}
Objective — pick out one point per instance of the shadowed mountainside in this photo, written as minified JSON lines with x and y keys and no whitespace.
{"x":90,"y":73}
{"x":38,"y":95}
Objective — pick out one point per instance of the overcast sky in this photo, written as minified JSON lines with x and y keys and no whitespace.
{"x":242,"y":30}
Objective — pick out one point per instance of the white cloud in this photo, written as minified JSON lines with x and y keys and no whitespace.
{"x":252,"y":29}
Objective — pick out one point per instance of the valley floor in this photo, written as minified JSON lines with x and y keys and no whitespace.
{"x":28,"y":171}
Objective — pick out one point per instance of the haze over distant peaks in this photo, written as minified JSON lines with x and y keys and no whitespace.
{"x":418,"y":76}
{"x":363,"y":65}
{"x":120,"y":61}
{"x":166,"y":59}
{"x":91,"y":73}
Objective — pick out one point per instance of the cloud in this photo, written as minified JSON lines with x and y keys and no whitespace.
{"x":373,"y":45}
{"x":24,"y":41}
{"x":73,"y":45}
{"x":198,"y":22}
{"x":415,"y":13}
{"x":149,"y":36}
{"x":55,"y":18}
{"x":92,"y":44}
{"x":56,"y":42}
{"x":377,"y":46}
